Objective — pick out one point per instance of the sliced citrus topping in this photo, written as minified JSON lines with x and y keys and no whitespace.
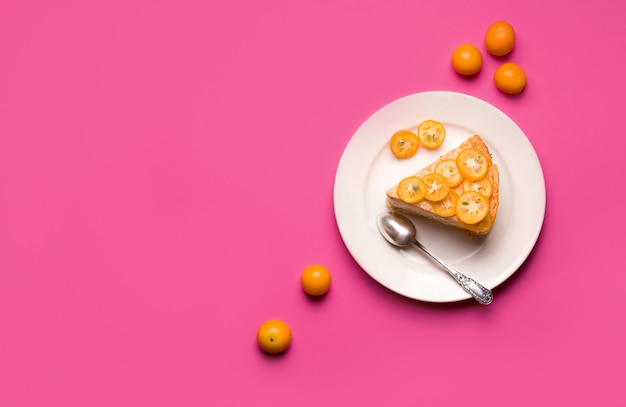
{"x":480,"y":227}
{"x":472,"y":207}
{"x":404,"y":144}
{"x":447,"y":206}
{"x":431,"y":133}
{"x":412,"y":189}
{"x":482,"y":186}
{"x":448,"y":169}
{"x":436,"y":186}
{"x":473,"y":164}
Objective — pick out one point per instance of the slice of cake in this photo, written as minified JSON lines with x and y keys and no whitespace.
{"x":460,"y":189}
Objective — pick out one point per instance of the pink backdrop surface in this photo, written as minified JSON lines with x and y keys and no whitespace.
{"x":167,"y":170}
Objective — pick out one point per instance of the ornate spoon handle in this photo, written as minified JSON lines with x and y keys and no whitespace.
{"x":482,"y":294}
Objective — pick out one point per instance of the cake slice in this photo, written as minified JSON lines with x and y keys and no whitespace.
{"x":460,"y":189}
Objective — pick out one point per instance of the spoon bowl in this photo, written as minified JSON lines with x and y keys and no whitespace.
{"x":397,"y":229}
{"x":401,"y":232}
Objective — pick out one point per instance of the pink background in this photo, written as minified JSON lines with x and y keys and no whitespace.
{"x":167,"y":169}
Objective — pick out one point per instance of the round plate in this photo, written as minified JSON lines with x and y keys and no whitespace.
{"x":368,"y":168}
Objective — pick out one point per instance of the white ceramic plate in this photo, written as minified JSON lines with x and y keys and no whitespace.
{"x":367,"y":169}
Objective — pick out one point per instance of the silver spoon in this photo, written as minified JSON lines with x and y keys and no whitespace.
{"x":400,"y":231}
